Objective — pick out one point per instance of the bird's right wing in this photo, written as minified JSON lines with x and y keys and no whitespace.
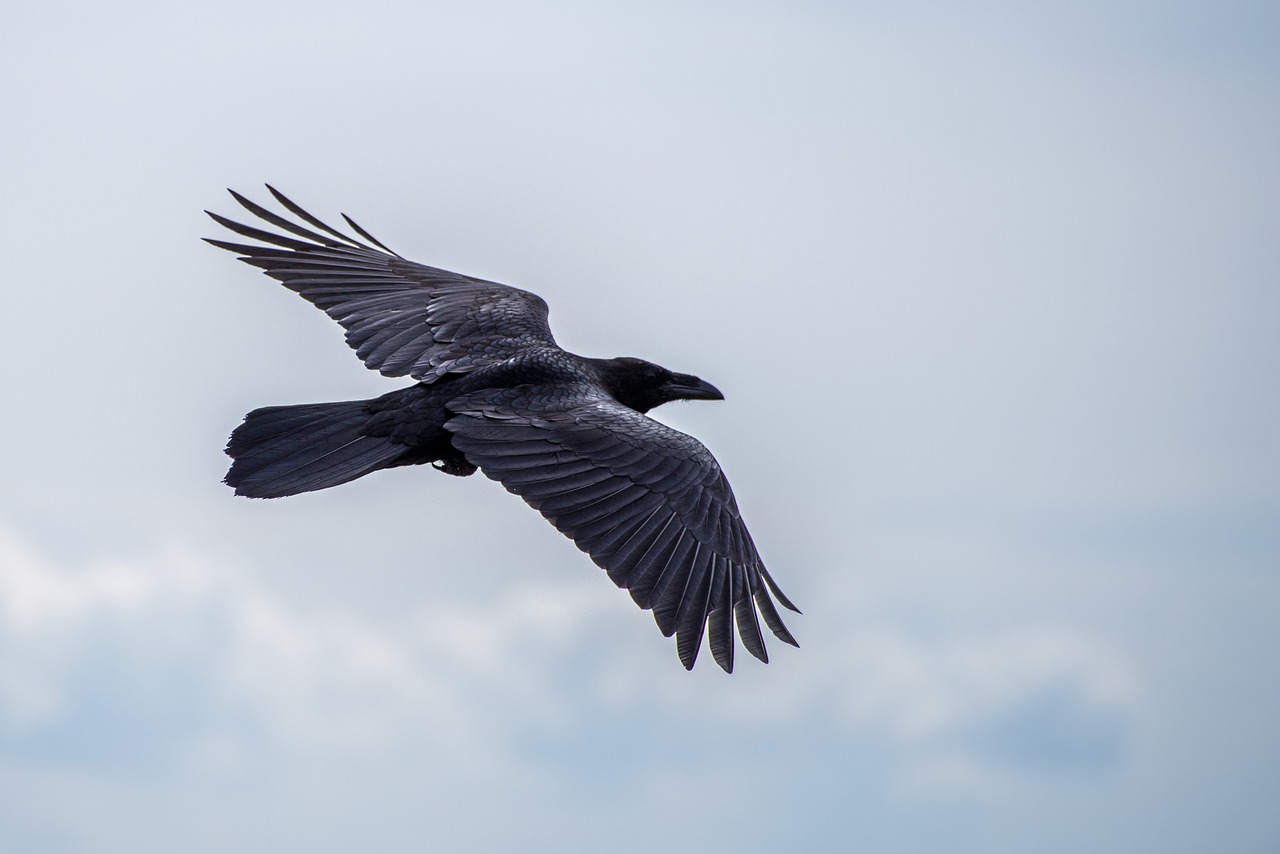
{"x":649,"y":504}
{"x":402,"y":318}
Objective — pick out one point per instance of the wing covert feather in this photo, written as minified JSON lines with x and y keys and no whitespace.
{"x":402,"y":318}
{"x":648,"y":503}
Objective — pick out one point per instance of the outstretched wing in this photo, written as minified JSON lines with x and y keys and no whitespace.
{"x":401,"y":317}
{"x":649,"y":504}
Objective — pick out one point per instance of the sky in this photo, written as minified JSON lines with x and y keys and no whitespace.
{"x":993,"y":293}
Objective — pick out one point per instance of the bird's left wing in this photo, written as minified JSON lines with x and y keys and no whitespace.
{"x":649,"y":504}
{"x":401,"y":317}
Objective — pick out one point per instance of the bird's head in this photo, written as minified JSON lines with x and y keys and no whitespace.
{"x":643,"y":385}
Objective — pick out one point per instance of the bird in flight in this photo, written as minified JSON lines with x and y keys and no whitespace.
{"x":494,"y":392}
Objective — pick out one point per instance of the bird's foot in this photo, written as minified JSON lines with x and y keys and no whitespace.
{"x":456,"y":466}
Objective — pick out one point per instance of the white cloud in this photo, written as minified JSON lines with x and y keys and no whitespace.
{"x":919,"y":691}
{"x":336,"y":682}
{"x":269,"y":675}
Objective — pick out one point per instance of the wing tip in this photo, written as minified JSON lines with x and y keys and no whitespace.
{"x":773,"y":587}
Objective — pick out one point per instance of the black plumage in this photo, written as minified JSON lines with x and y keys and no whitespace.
{"x":566,"y":433}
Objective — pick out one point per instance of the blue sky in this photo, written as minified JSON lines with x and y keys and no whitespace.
{"x":994,"y":297}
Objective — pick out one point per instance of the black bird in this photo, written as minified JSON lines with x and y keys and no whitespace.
{"x":566,"y":433}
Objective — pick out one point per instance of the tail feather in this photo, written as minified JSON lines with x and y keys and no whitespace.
{"x":286,"y":450}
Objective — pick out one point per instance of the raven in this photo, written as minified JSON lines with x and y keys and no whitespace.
{"x":566,"y":433}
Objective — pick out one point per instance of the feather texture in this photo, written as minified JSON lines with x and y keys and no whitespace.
{"x":567,"y":434}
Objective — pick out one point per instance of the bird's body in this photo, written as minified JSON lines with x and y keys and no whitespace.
{"x":566,"y":433}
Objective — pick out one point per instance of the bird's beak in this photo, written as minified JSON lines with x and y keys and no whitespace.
{"x":688,"y":387}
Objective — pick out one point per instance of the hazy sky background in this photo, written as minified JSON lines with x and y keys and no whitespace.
{"x":992,"y":289}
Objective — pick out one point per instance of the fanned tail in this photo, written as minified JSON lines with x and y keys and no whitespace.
{"x":286,"y":450}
